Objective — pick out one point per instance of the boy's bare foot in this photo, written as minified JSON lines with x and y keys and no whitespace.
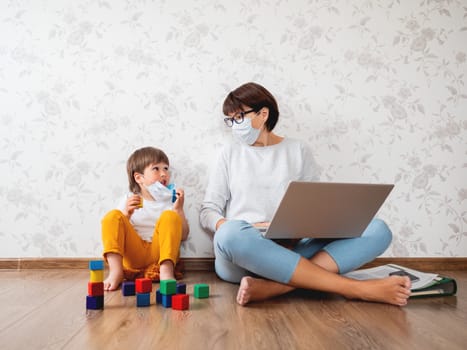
{"x":113,"y":280}
{"x":255,"y":289}
{"x":115,"y":277}
{"x":166,"y":270}
{"x":393,"y":290}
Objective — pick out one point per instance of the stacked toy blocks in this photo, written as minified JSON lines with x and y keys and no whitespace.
{"x":180,"y":301}
{"x":168,"y":288}
{"x":95,"y":297}
{"x":173,"y":294}
{"x":143,"y":288}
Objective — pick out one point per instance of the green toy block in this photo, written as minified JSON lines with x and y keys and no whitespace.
{"x":201,"y":290}
{"x":168,"y":287}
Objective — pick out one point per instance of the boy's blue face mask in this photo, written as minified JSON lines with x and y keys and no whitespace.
{"x":162,"y":193}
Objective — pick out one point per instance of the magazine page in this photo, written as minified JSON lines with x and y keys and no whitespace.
{"x":424,"y":279}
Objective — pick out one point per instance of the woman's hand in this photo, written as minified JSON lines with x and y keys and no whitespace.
{"x":261,"y":224}
{"x":219,"y":223}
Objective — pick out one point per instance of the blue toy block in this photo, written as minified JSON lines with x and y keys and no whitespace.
{"x":95,"y":303}
{"x":181,"y":288}
{"x":158,"y":297}
{"x":128,"y":288}
{"x":168,"y":287}
{"x":143,"y":299}
{"x":166,"y":300}
{"x":96,"y":265}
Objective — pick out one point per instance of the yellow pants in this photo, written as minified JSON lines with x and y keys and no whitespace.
{"x":119,"y":236}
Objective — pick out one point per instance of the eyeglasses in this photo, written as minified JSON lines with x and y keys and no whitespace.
{"x":237,"y":118}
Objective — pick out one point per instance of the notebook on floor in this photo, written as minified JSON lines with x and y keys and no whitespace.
{"x":326,"y":210}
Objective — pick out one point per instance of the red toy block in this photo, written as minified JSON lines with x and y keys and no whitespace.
{"x":95,"y":289}
{"x":180,"y":302}
{"x":143,"y":285}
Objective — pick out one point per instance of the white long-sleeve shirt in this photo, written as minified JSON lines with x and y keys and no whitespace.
{"x":248,"y":182}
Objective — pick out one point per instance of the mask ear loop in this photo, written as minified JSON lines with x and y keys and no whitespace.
{"x":174,"y":194}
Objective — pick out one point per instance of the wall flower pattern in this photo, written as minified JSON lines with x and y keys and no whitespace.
{"x":376,"y":88}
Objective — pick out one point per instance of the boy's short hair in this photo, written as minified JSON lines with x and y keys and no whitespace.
{"x":139,"y":160}
{"x":255,"y":96}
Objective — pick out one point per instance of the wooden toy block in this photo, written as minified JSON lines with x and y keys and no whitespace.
{"x":201,"y":290}
{"x":95,"y":289}
{"x":143,"y":299}
{"x":128,"y":288}
{"x":168,"y":287}
{"x":143,"y":285}
{"x":181,"y":288}
{"x":96,"y":276}
{"x":180,"y":302}
{"x":94,"y":303}
{"x":96,"y":265}
{"x":166,"y":300}
{"x":158,"y":297}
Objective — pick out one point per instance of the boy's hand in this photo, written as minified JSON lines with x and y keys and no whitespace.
{"x":133,"y":202}
{"x":178,"y":208}
{"x":178,"y":204}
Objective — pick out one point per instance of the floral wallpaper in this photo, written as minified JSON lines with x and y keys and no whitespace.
{"x":376,"y":88}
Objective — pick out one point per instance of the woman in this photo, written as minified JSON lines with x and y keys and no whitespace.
{"x":244,"y":189}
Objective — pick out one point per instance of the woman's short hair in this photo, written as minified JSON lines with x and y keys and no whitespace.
{"x":139,"y":160}
{"x":254,"y":96}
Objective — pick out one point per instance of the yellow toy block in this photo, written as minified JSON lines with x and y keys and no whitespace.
{"x":96,"y":276}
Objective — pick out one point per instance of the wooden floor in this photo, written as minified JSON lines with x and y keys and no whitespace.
{"x":45,"y":309}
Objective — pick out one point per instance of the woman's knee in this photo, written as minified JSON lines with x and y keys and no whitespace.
{"x":227,"y":234}
{"x":380,"y":232}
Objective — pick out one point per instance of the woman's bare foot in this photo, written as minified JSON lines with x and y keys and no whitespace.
{"x":393,"y":290}
{"x":254,"y":289}
{"x":113,"y":280}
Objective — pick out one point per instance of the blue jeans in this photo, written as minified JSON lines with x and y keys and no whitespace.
{"x":241,"y":250}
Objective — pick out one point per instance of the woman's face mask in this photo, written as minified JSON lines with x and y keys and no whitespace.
{"x":245,"y":132}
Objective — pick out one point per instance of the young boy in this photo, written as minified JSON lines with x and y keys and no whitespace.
{"x":143,"y":236}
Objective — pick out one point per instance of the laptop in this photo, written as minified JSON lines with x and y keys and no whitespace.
{"x":326,"y":210}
